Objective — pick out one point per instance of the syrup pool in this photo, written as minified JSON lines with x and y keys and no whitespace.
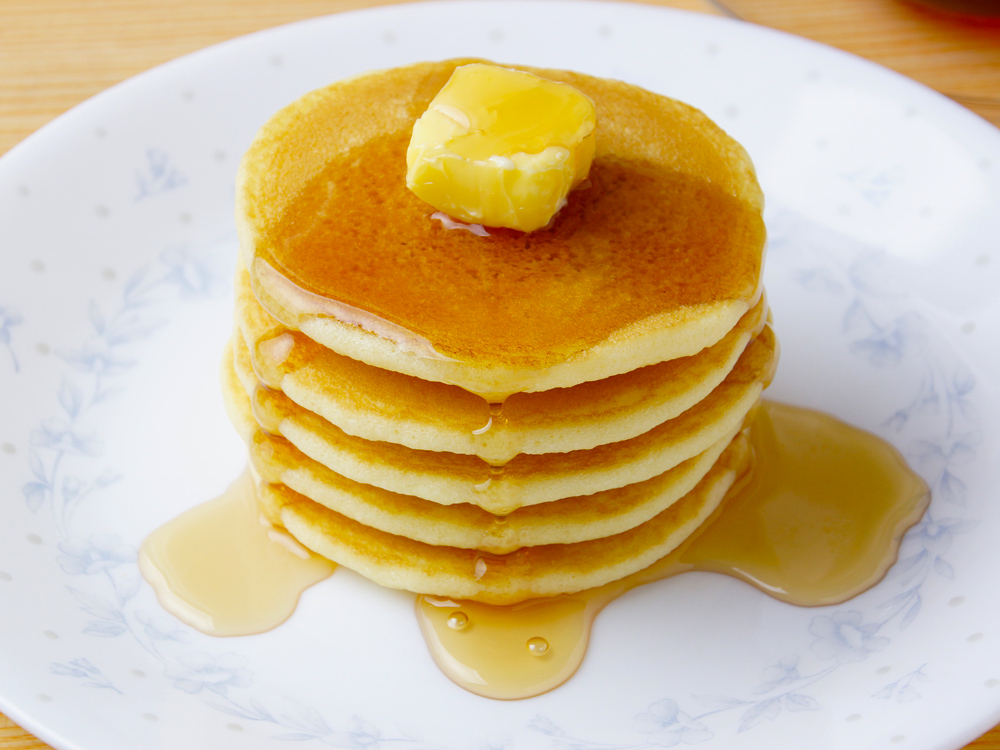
{"x":222,"y":568}
{"x":817,"y":520}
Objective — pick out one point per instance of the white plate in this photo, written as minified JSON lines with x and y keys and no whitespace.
{"x":117,"y":244}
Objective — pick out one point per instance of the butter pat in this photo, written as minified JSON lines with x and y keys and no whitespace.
{"x":501,"y":147}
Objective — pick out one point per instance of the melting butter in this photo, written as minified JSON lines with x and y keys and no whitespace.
{"x":223,"y":570}
{"x":501,"y":147}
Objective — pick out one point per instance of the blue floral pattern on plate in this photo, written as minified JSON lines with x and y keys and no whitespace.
{"x":770,"y":680}
{"x":9,"y":317}
{"x":839,"y":639}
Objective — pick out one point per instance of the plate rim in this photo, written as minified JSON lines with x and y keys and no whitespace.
{"x":66,"y":123}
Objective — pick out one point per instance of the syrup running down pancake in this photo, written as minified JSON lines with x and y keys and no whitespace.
{"x":567,"y":401}
{"x":571,"y":519}
{"x":377,"y":404}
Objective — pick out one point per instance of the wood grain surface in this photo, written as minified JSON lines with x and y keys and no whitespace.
{"x":957,"y":56}
{"x":55,"y":54}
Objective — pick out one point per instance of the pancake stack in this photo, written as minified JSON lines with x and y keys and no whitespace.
{"x":488,"y":414}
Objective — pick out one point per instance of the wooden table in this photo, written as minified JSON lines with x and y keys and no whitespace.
{"x":56,"y":53}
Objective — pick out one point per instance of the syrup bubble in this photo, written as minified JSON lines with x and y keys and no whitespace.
{"x":537,"y":646}
{"x":458,"y":621}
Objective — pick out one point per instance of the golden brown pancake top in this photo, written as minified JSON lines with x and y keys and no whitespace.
{"x":669,"y":222}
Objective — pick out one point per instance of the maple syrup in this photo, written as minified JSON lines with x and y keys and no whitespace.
{"x":221,"y":569}
{"x":533,"y":298}
{"x":817,"y":520}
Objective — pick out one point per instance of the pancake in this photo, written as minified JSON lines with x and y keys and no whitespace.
{"x":530,"y":572}
{"x":657,"y":257}
{"x":527,"y":479}
{"x":574,"y":519}
{"x":382,"y":405}
{"x":491,"y":414}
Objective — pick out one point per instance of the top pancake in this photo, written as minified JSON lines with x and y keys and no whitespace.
{"x":656,"y":258}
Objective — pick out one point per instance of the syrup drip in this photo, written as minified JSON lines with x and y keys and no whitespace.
{"x":275,"y":350}
{"x":495,"y":472}
{"x":818,"y":520}
{"x":221,"y":569}
{"x":494,"y":418}
{"x":274,"y":357}
{"x":278,"y":292}
{"x":268,"y":417}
